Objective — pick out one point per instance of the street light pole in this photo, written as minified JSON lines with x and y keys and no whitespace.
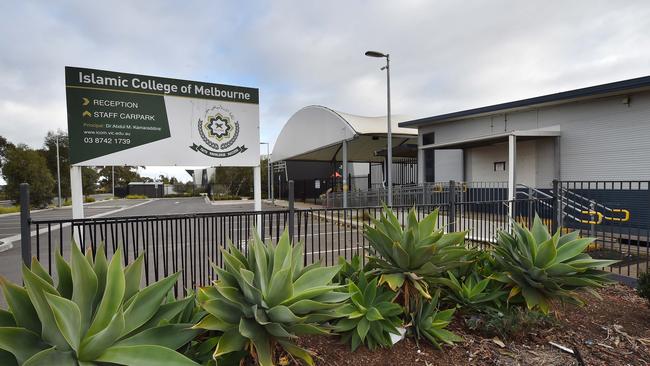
{"x":58,"y":170}
{"x":389,"y":157}
{"x":268,"y":170}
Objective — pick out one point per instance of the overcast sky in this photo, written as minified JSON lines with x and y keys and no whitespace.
{"x":445,"y":55}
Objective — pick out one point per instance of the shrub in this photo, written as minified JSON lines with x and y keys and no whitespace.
{"x":95,"y":314}
{"x":225,"y":197}
{"x":266,"y":298}
{"x":136,"y":197}
{"x":179,"y":195}
{"x":414,"y":256}
{"x":371,"y":316}
{"x":542,"y":268}
{"x":89,"y":199}
{"x":643,"y":286}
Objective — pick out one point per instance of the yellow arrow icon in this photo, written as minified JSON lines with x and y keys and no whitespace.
{"x":85,"y":101}
{"x":86,"y":114}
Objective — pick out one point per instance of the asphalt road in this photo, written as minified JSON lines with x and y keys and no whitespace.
{"x":186,"y":244}
{"x":179,"y":206}
{"x":10,"y":223}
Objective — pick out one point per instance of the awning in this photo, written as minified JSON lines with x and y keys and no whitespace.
{"x":522,"y":135}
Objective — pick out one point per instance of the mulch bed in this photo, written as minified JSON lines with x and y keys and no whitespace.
{"x":611,"y":331}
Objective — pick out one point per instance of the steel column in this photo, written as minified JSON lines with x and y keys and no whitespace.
{"x":344,"y":152}
{"x":512,"y":173}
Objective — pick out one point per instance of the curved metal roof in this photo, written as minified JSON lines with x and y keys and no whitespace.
{"x":316,"y":132}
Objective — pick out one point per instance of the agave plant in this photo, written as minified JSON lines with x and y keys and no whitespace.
{"x":351,"y":270}
{"x":475,"y":293}
{"x":96,"y":314}
{"x":430,"y":323}
{"x":371,"y":316}
{"x":541,"y":268}
{"x":267,"y":298}
{"x":412,"y":257}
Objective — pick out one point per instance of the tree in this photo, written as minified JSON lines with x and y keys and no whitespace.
{"x":123,"y":176}
{"x":165,"y":179}
{"x":89,"y":177}
{"x":237,"y":180}
{"x":4,"y":145}
{"x":49,"y":152}
{"x":233,"y":180}
{"x":24,"y":165}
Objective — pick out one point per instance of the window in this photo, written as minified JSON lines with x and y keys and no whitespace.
{"x":499,"y":166}
{"x":428,"y":138}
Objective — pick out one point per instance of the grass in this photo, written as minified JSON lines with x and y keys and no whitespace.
{"x":225,"y":197}
{"x":87,"y":199}
{"x":136,"y":197}
{"x":180,"y":195}
{"x":11,"y":209}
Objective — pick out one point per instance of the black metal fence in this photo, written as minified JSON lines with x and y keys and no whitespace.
{"x":616,"y":213}
{"x":188,"y":243}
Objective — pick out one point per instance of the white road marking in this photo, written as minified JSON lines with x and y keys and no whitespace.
{"x":7,"y":243}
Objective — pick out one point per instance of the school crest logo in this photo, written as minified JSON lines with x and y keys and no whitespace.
{"x":219,"y":130}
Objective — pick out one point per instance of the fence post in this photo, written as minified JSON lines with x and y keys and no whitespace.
{"x":530,"y":207}
{"x":452,"y":206}
{"x":592,"y":218}
{"x":291,"y":210}
{"x":556,"y":214}
{"x":25,"y":235}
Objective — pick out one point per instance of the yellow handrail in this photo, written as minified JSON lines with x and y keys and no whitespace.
{"x":626,"y":215}
{"x":592,"y":213}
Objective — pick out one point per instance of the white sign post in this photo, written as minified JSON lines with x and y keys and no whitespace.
{"x":117,"y":118}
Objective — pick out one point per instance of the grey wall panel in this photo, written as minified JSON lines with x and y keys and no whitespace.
{"x":602,"y":139}
{"x":479,"y":164}
{"x":449,"y":165}
{"x":545,"y":163}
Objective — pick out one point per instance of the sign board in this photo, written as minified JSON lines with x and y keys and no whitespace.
{"x":116,"y":118}
{"x":317,"y":184}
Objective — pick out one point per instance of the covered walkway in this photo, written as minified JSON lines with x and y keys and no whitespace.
{"x":320,"y":134}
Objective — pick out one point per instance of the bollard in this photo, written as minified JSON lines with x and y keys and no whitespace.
{"x":531,"y":217}
{"x":556,"y":221}
{"x":452,"y":206}
{"x":291,"y":210}
{"x":25,"y":235}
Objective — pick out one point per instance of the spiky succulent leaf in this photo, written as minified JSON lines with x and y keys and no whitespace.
{"x":371,"y":316}
{"x":267,"y":297}
{"x":429,"y":322}
{"x":541,"y":268}
{"x":411,"y":257}
{"x":87,"y":319}
{"x":475,"y":292}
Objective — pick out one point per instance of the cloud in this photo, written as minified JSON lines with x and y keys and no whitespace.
{"x":445,"y":55}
